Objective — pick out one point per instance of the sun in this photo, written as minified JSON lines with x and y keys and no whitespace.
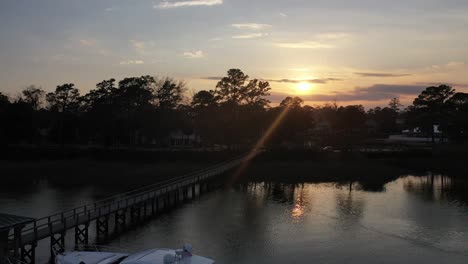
{"x":303,"y":87}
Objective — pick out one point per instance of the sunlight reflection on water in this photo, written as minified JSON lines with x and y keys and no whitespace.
{"x":415,"y":219}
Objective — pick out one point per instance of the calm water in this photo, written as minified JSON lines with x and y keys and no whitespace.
{"x":415,"y":219}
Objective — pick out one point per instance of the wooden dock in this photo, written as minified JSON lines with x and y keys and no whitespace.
{"x":125,"y":209}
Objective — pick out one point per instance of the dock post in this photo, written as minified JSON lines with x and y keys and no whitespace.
{"x":81,"y":234}
{"x":176,"y":197}
{"x":102,"y":228}
{"x":17,"y":241}
{"x":157,"y":204}
{"x":153,"y":213}
{"x":145,"y":203}
{"x":135,"y":214}
{"x":167,"y":201}
{"x":193,"y":191}
{"x":3,"y":246}
{"x":57,"y":243}
{"x":28,"y":253}
{"x":120,"y":220}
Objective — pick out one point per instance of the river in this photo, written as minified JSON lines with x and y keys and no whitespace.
{"x":412,"y":220}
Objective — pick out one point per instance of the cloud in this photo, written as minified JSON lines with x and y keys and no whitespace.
{"x":194,"y":54}
{"x":300,"y":69}
{"x":215,"y":39}
{"x":131,"y":62}
{"x":448,"y":66}
{"x":455,"y":85}
{"x":322,"y":81}
{"x":211,"y":78}
{"x":303,"y":45}
{"x":377,"y":92}
{"x":283,"y":15}
{"x":109,"y":9}
{"x":250,"y":36}
{"x":252,"y":26}
{"x":88,"y":42}
{"x":188,"y":3}
{"x":333,"y":36}
{"x":377,"y":74}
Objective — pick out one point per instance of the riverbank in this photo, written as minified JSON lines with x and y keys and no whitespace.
{"x":372,"y":170}
{"x":128,"y":169}
{"x":107,"y":174}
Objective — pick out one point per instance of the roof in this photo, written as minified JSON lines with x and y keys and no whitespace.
{"x":9,"y":221}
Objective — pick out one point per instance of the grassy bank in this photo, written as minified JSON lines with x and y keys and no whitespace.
{"x":127,"y":169}
{"x":107,"y":174}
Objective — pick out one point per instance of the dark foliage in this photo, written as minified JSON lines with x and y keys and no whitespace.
{"x":146,"y":111}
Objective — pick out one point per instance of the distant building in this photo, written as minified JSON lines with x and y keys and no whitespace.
{"x":184,"y":139}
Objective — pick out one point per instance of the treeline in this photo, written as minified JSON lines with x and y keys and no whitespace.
{"x":146,"y":111}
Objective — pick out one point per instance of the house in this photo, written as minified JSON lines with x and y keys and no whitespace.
{"x":183,"y":139}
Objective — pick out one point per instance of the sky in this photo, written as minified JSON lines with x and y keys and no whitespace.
{"x":349,"y":52}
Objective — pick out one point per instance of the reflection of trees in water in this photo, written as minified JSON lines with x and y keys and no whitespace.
{"x":435,"y":213}
{"x":349,"y":209}
{"x":237,"y":218}
{"x":282,"y":193}
{"x":438,"y":188}
{"x":294,"y":195}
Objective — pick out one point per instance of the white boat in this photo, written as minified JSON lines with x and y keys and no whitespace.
{"x":152,"y":256}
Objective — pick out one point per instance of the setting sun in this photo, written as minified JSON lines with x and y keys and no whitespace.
{"x":303,"y":87}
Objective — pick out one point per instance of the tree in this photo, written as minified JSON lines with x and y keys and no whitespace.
{"x":136,"y":92}
{"x":4,"y":100}
{"x":430,"y":108}
{"x":291,"y":102}
{"x":102,"y":112}
{"x":229,"y":89}
{"x":292,"y":121}
{"x":385,"y":119}
{"x":204,"y":99}
{"x":169,"y":93}
{"x":433,"y":98}
{"x":237,"y":89}
{"x":65,"y":98}
{"x":458,"y":116}
{"x":104,"y":94}
{"x":33,"y":96}
{"x":254,"y":92}
{"x":395,"y":104}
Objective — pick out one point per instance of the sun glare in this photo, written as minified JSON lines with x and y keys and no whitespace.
{"x":303,"y":87}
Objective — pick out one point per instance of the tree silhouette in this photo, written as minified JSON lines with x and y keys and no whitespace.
{"x":236,"y":114}
{"x":395,"y":104}
{"x":4,"y":100}
{"x":229,"y":89}
{"x":103,"y":95}
{"x":34,"y":96}
{"x":65,"y":101}
{"x":292,"y":102}
{"x":236,"y":89}
{"x":65,"y":98}
{"x":204,"y":99}
{"x":169,"y":93}
{"x":430,"y":108}
{"x":458,"y":116}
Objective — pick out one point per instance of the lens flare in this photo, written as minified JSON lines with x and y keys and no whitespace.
{"x":257,"y":148}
